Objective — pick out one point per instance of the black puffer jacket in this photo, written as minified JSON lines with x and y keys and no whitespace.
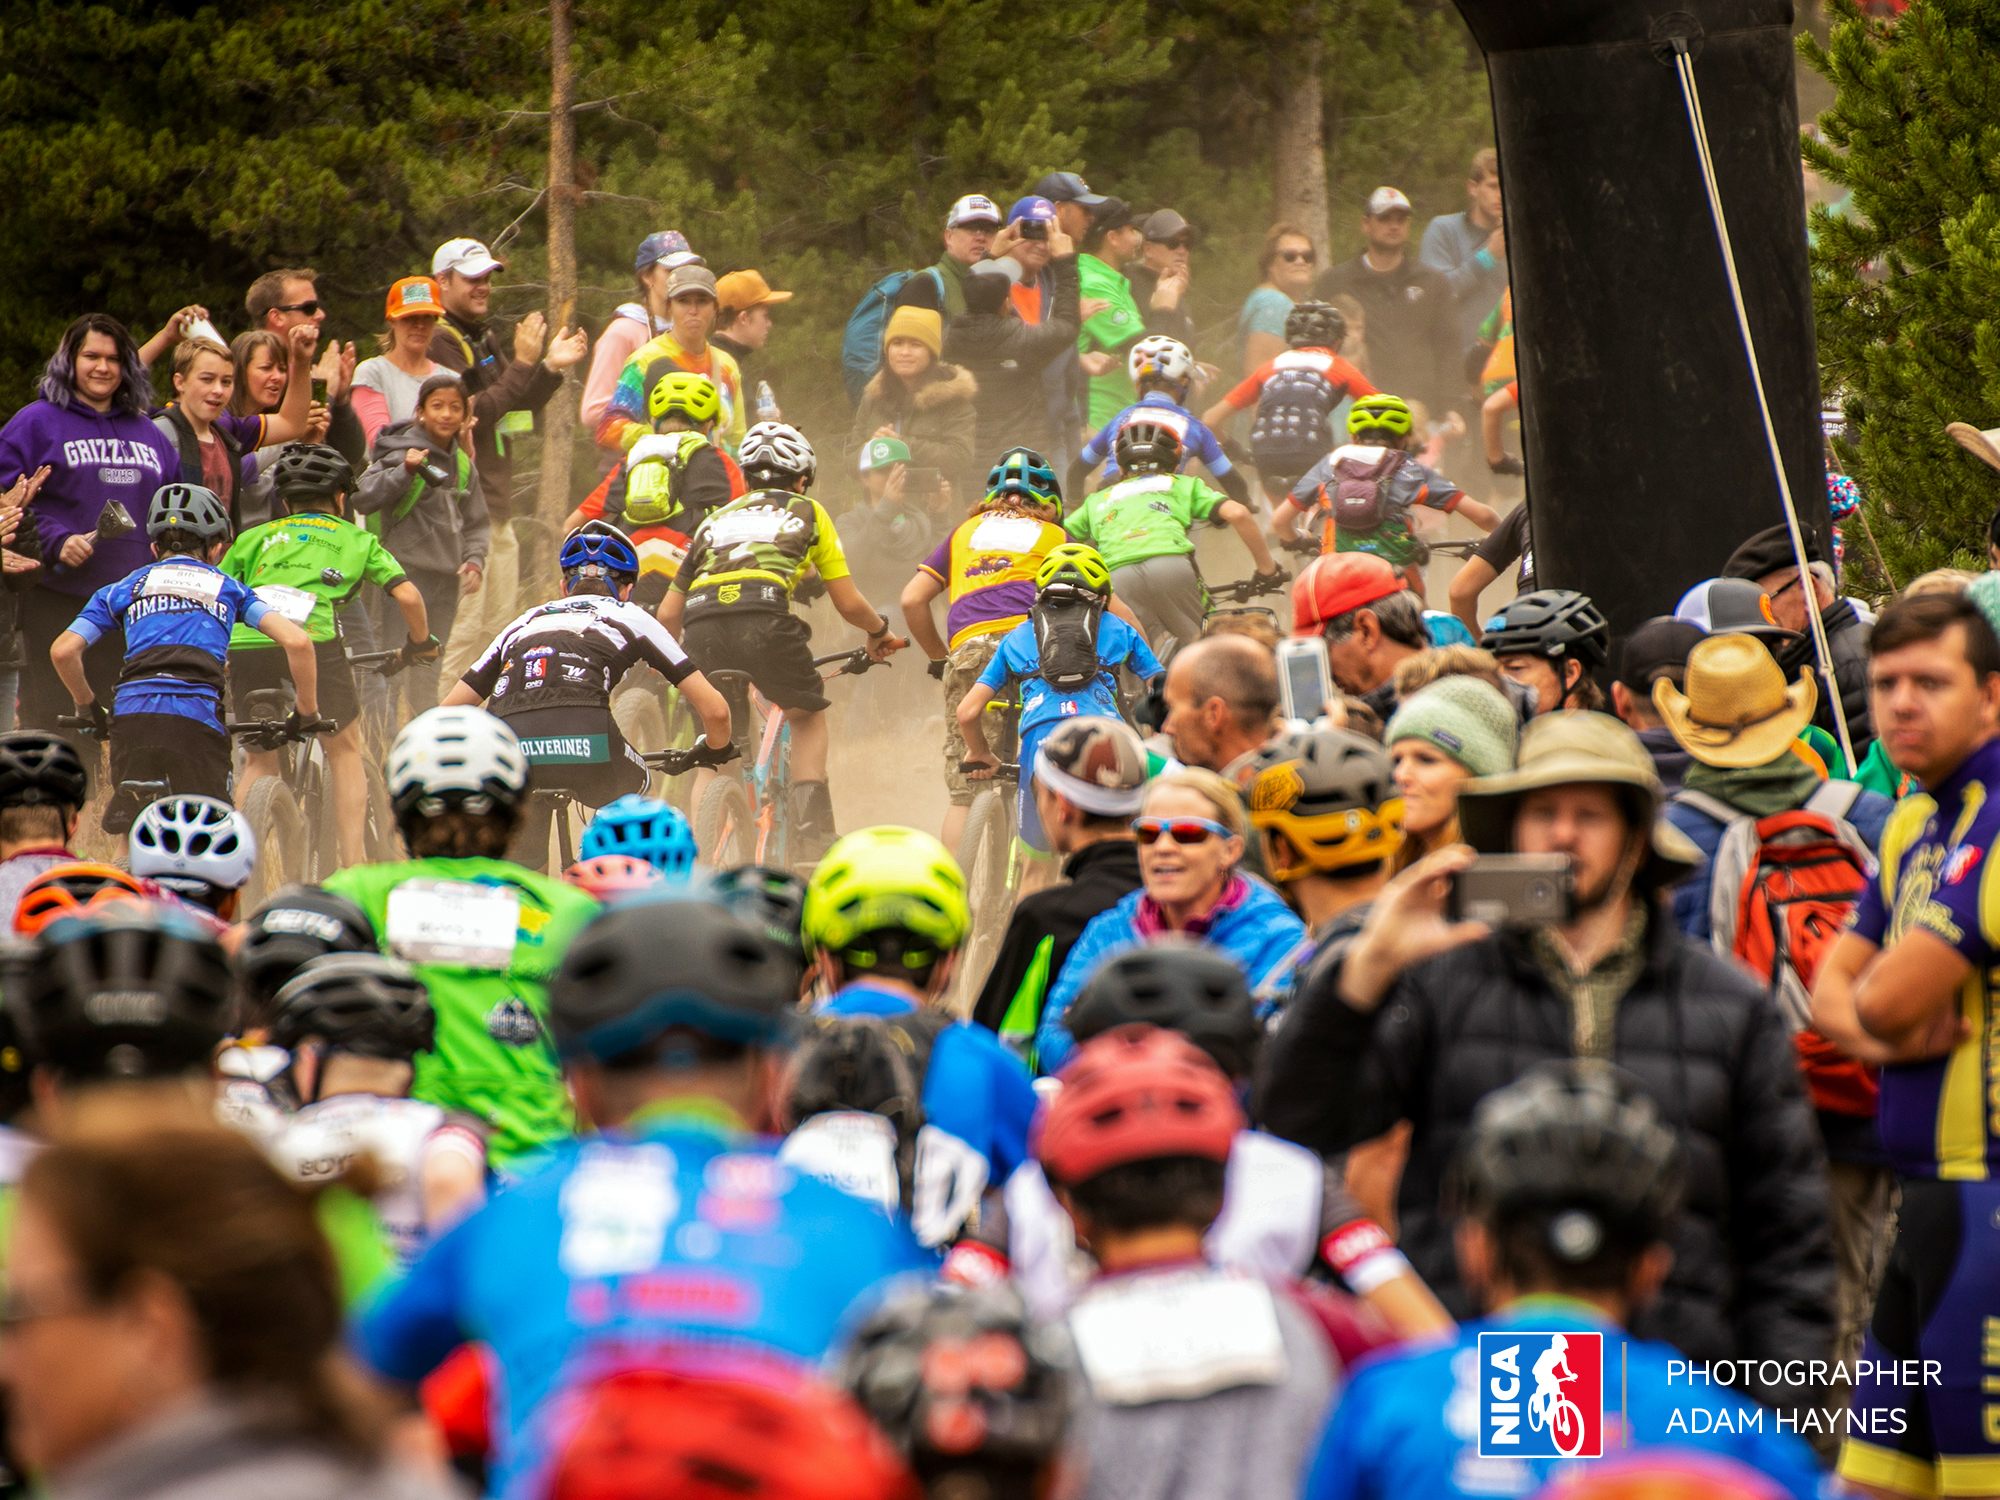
{"x":1010,"y":359}
{"x":1753,"y":1268}
{"x":1847,"y":640}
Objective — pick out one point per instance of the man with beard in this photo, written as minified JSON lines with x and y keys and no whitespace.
{"x":1767,"y":559}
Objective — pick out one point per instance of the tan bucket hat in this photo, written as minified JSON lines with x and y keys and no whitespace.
{"x":1562,"y":749}
{"x":1738,"y":709}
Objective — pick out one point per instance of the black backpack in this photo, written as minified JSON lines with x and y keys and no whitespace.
{"x":872,"y":1064}
{"x":1066,"y":637}
{"x":1291,"y":430}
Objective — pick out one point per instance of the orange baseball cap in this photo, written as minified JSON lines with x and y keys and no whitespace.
{"x":742,"y":290}
{"x":415,"y":297}
{"x":1334,"y":583}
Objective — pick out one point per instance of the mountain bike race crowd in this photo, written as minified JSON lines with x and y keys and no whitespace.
{"x":1298,"y":1000}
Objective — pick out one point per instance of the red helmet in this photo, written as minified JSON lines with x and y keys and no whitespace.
{"x":65,"y":890}
{"x":764,"y":1436}
{"x":610,"y":876}
{"x":1665,"y":1474}
{"x":1334,"y":583}
{"x":1135,"y":1093}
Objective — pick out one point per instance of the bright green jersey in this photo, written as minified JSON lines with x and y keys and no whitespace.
{"x":1112,"y":332}
{"x":1145,"y":516}
{"x":307,"y":567}
{"x":485,"y":936}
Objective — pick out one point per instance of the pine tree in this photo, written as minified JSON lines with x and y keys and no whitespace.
{"x":1906,"y":285}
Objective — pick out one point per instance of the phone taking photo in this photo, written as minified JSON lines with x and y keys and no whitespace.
{"x":1514,"y":890}
{"x":1305,"y":683}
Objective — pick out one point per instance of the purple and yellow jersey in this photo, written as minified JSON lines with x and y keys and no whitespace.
{"x":988,"y":568}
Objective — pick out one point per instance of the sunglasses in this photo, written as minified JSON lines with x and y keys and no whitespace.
{"x":1295,"y":256}
{"x":1174,"y":244}
{"x":308,"y":308}
{"x":1181,"y":830}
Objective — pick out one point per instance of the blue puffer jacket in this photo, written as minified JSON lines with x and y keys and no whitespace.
{"x":1261,"y":934}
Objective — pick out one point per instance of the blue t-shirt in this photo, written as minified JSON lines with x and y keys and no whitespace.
{"x":1407,"y":1427}
{"x":1118,"y":645}
{"x":674,"y":1242}
{"x":1197,"y":442}
{"x":974,"y":1088}
{"x":176,"y":614}
{"x":1938,"y":875}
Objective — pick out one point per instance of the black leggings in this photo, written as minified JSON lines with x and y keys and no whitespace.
{"x":45,"y":614}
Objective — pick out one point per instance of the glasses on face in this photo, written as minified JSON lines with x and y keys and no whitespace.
{"x":1176,"y":244}
{"x":310,"y":308}
{"x":1294,"y":257}
{"x":1181,"y":830}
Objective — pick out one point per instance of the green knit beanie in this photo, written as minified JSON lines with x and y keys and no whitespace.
{"x":1469,"y":720}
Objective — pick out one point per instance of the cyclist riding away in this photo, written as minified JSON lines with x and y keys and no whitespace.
{"x":199,"y":848}
{"x":43,"y":789}
{"x":550,"y":673}
{"x":308,"y":564}
{"x":734,"y":592}
{"x":1140,"y":525}
{"x":643,"y":828}
{"x":1295,"y":394}
{"x":177,"y":614}
{"x":1367,"y":488}
{"x":1162,"y":371}
{"x":1064,"y":660}
{"x":1550,"y":642}
{"x":482,"y":934}
{"x":668,"y":482}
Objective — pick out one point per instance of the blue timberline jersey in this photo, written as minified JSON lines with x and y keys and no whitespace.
{"x":676,"y":1242}
{"x":176,"y":614}
{"x":1197,"y":442}
{"x":1019,"y":657}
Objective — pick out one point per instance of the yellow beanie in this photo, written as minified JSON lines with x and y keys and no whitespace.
{"x":920,"y":323}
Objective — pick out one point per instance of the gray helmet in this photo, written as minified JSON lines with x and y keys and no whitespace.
{"x":1332,"y":794}
{"x":187,"y":507}
{"x":1178,"y":986}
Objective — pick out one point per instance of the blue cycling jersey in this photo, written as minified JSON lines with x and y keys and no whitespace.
{"x":974,"y":1088}
{"x":1197,"y":442}
{"x":176,"y":614}
{"x":678,"y":1241}
{"x":1408,"y":1428}
{"x":1019,"y":657}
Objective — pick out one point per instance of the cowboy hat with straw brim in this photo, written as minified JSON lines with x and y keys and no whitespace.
{"x":1565,"y":749}
{"x":1738,"y":710}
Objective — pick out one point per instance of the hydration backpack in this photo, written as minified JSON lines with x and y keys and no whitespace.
{"x":1291,"y":429}
{"x":861,"y":343}
{"x":1066,"y":637}
{"x":1781,"y":889}
{"x":1353,"y":498}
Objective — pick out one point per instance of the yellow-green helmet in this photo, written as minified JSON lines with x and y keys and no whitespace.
{"x":1391,"y":412}
{"x":886,"y":879}
{"x":693,"y":396}
{"x":1074,"y":563}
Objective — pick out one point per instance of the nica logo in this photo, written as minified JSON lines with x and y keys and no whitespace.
{"x":1541,"y":1395}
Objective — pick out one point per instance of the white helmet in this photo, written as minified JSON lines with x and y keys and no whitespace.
{"x":779,"y":450}
{"x":180,"y":839}
{"x":1161,"y":357}
{"x":465,"y":755}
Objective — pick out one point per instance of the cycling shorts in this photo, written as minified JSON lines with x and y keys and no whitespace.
{"x":774,"y":650}
{"x":961,"y":674}
{"x":185,"y":753}
{"x":258,"y":668}
{"x":577,"y":749}
{"x":1936,"y":1430}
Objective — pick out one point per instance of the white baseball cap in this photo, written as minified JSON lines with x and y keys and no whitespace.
{"x":1383,"y":199}
{"x":973,"y":208}
{"x":467,"y":257}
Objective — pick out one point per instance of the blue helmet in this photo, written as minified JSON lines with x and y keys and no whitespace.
{"x":601,"y":544}
{"x":645,"y":828}
{"x":1024,"y":472}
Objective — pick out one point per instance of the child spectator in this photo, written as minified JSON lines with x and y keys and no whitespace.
{"x":1296,"y":394}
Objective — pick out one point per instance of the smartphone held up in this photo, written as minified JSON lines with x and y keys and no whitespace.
{"x":1514,"y":890}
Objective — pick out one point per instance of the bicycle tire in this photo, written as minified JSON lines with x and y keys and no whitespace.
{"x":380,"y":843}
{"x":273,"y":815}
{"x":723,"y":830}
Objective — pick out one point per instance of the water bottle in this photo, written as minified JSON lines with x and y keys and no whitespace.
{"x":767,"y":404}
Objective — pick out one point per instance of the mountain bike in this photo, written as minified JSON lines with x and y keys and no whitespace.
{"x":743,"y":816}
{"x":554,"y":803}
{"x":995,"y":861}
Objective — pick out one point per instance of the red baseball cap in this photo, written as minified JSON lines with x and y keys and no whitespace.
{"x":1336,"y":582}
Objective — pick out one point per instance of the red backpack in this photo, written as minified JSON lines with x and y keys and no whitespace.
{"x":1781,"y":889}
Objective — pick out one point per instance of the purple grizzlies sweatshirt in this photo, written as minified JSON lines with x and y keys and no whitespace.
{"x":93,"y":457}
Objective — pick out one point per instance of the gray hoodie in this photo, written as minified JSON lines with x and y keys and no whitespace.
{"x":444,"y":528}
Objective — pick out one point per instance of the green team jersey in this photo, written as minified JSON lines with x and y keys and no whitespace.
{"x":1109,"y":332}
{"x":307,"y":567}
{"x":1145,"y":516}
{"x":485,"y":936}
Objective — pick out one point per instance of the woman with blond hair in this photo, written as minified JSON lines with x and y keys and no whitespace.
{"x":1444,"y":735}
{"x":1191,"y":831}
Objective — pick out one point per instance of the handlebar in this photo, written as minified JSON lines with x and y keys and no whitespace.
{"x":1006,"y":770}
{"x":680,"y":762}
{"x":1301,"y":546}
{"x":271,"y":733}
{"x":1456,"y":549}
{"x":89,"y":727}
{"x":384,"y":663}
{"x":1243,"y":590}
{"x":853,"y":663}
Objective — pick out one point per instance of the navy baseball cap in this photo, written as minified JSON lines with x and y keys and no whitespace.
{"x":1036,"y":210}
{"x":1067,"y":187}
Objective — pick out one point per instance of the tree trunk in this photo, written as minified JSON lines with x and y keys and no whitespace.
{"x":1298,"y":176}
{"x":559,"y":416}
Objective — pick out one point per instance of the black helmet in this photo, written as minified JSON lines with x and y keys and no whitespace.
{"x":311,"y":471}
{"x":17,"y":1059}
{"x":296,"y":925}
{"x":1554,"y":623}
{"x":356,"y":1002}
{"x":934,"y":1361}
{"x":771,"y":901}
{"x":1144,"y":446}
{"x":1581,"y":1142}
{"x":1317,"y":325}
{"x":125,"y":992}
{"x":187,"y":507}
{"x":1332,"y":794}
{"x":1178,"y":986}
{"x":645,"y":966}
{"x":41,"y":770}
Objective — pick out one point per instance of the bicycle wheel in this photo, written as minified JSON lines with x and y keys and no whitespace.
{"x":723,"y":829}
{"x":984,"y":852}
{"x":379,"y":838}
{"x":274,"y":817}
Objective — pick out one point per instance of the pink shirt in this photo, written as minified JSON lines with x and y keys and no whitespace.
{"x":622,"y":338}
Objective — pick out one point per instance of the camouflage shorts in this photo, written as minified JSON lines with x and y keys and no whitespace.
{"x":961,"y":675}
